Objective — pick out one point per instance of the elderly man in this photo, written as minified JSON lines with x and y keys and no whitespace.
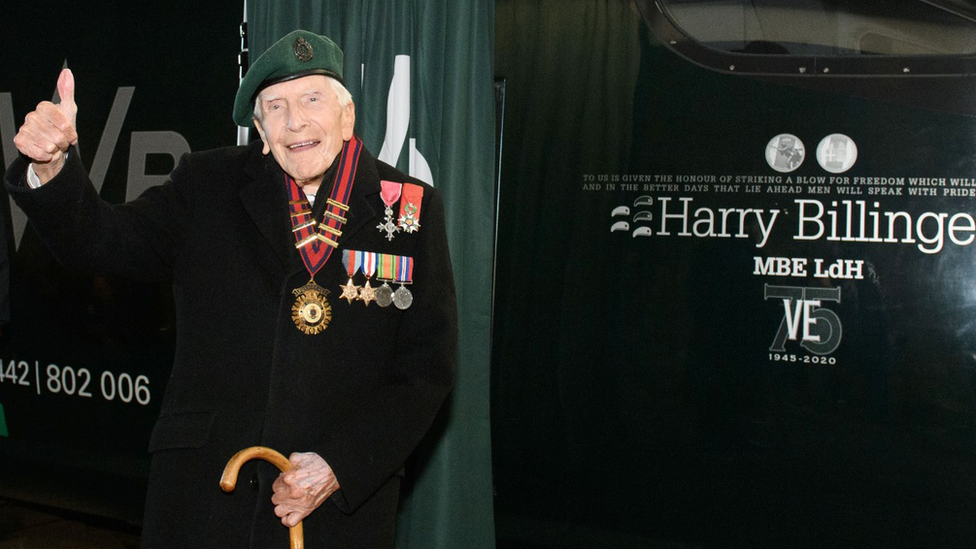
{"x":314,"y":299}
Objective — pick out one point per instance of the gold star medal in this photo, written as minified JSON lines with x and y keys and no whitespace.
{"x":351,"y":260}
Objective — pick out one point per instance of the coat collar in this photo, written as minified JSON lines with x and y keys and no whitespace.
{"x":265,"y":200}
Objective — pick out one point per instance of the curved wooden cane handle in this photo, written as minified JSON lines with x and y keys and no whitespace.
{"x":228,"y":480}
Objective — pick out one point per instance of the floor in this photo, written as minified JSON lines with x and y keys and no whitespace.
{"x":28,"y":527}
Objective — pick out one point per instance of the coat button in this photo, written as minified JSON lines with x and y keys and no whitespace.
{"x":253,"y":482}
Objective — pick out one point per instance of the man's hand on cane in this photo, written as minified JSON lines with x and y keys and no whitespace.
{"x":300,"y":491}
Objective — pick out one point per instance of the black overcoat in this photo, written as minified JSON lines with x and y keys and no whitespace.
{"x":361,"y":393}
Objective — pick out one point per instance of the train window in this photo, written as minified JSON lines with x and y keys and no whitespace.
{"x":710,"y":31}
{"x":825,"y":27}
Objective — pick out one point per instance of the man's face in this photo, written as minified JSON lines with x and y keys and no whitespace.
{"x":303,"y":126}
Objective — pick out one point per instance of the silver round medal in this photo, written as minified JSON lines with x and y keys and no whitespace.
{"x":384,"y":295}
{"x":402,"y":298}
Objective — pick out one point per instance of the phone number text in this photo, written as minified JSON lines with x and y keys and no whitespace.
{"x":78,"y":382}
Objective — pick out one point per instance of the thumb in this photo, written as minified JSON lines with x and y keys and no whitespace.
{"x":66,"y":90}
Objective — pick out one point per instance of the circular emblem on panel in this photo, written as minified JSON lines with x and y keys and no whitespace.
{"x":785,"y":152}
{"x":836,"y":153}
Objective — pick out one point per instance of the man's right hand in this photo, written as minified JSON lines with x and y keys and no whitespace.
{"x":49,"y":130}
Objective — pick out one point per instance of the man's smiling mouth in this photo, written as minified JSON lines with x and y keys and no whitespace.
{"x":302,"y":145}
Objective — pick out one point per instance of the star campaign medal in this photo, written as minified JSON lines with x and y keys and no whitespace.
{"x":367,"y":293}
{"x":390,"y":193}
{"x":403,"y":298}
{"x":351,"y":260}
{"x":413,"y":196}
{"x":311,"y":312}
{"x":384,"y":272}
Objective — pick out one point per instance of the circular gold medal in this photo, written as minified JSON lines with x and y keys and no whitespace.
{"x":311,"y":312}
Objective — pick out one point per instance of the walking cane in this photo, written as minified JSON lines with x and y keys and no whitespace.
{"x":228,"y":480}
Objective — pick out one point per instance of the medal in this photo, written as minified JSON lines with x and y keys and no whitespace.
{"x":316,"y":242}
{"x":350,"y":260}
{"x":390,"y":193}
{"x":311,"y":311}
{"x":410,"y":202}
{"x":384,"y":272}
{"x":403,"y":298}
{"x":384,"y":295}
{"x":367,"y":293}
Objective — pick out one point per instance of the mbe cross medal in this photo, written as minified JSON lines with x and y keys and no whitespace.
{"x":390,"y":193}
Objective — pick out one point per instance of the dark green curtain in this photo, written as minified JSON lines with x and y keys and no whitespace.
{"x":564,"y":399}
{"x":441,"y":130}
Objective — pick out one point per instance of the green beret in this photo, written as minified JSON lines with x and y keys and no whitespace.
{"x":300,"y":53}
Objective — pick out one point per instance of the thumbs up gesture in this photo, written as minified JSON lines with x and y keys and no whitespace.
{"x":49,"y":130}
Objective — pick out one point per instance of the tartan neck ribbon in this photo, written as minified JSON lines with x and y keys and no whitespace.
{"x":316,"y":241}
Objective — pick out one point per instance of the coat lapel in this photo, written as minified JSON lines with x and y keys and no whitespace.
{"x":266,"y":201}
{"x":362,"y":198}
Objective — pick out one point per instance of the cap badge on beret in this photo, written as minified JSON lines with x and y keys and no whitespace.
{"x":303,"y":50}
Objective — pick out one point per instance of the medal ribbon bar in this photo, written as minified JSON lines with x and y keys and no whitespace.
{"x":352,"y":261}
{"x":368,"y":263}
{"x":404,"y":269}
{"x":384,"y":267}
